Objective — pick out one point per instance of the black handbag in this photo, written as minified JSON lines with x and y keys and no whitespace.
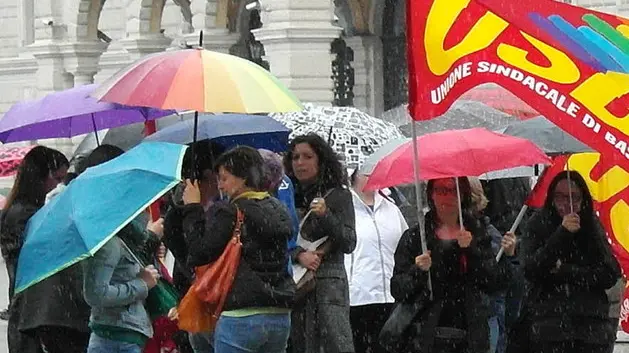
{"x":394,"y":330}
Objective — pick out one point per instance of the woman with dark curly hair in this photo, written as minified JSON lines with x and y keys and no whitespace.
{"x":321,"y":318}
{"x":463,"y":270}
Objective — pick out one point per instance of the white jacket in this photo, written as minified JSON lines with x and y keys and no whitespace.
{"x":370,"y":267}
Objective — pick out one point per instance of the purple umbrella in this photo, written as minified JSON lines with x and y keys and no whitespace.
{"x":69,"y":113}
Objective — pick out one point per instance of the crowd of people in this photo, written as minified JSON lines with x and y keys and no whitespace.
{"x":555,"y":290}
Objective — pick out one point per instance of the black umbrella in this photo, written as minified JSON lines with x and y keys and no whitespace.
{"x":125,"y":137}
{"x":548,"y":136}
{"x":462,"y":115}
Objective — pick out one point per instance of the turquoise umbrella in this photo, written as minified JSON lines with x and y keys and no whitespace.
{"x":94,"y":207}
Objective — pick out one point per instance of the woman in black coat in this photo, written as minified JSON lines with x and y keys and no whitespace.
{"x":462,"y":268}
{"x":51,"y":312}
{"x":256,"y":315}
{"x":320,"y":321}
{"x":569,"y":265}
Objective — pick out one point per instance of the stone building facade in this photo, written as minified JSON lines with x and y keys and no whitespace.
{"x":345,"y":52}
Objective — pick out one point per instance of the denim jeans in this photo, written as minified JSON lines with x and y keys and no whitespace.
{"x":103,"y":345}
{"x":202,"y":342}
{"x":252,"y":334}
{"x":494,"y":332}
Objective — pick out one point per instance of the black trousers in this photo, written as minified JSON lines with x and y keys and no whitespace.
{"x":58,"y":339}
{"x":367,"y":321}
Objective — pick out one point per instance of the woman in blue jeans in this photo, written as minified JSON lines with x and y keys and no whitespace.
{"x":115,"y":285}
{"x":256,"y":316}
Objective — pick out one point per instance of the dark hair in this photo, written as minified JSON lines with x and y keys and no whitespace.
{"x":34,"y":170}
{"x":100,"y":155}
{"x":69,"y":177}
{"x":205,"y":153}
{"x":331,"y":172}
{"x":587,"y":204}
{"x":244,"y":162}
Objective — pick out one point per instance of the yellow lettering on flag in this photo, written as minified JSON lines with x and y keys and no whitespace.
{"x":601,"y":89}
{"x":440,"y":20}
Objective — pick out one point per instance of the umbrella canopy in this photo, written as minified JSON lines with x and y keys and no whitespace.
{"x":72,"y":226}
{"x":128,"y":136}
{"x":548,"y":136}
{"x":463,"y":114}
{"x":200,"y":80}
{"x":352,"y":133}
{"x":386,"y":149}
{"x":500,"y":99}
{"x":10,"y":159}
{"x":455,"y":153}
{"x":69,"y":113}
{"x":228,"y":130}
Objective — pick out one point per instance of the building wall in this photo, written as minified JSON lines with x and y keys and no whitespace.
{"x":21,"y":21}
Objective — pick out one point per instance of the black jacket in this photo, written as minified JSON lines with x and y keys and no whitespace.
{"x":174,"y":240}
{"x":55,"y":301}
{"x":569,"y":303}
{"x":338,"y":224}
{"x":262,"y":279}
{"x":458,"y":294}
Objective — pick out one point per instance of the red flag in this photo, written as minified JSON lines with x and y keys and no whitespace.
{"x":540,"y":190}
{"x":545,"y":52}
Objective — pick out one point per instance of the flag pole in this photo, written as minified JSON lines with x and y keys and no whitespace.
{"x":418,"y":199}
{"x":515,"y":225}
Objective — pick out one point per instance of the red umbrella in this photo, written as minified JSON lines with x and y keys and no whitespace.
{"x":455,"y":153}
{"x":10,"y":159}
{"x":502,"y":100}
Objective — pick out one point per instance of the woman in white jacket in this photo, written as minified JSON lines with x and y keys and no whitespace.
{"x":379,"y":226}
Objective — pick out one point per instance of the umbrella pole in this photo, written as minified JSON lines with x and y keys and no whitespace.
{"x":193,"y":156}
{"x":458,"y":196}
{"x":569,"y":185}
{"x":418,"y":200}
{"x":95,"y":130}
{"x":141,"y":263}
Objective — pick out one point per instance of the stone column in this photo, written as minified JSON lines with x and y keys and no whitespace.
{"x":367,"y":66}
{"x":361,"y":84}
{"x":145,"y":44}
{"x":50,"y":70}
{"x":82,"y":59}
{"x":296,"y":35}
{"x":216,"y":36}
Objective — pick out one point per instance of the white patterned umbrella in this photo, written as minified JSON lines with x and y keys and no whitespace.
{"x":352,"y":133}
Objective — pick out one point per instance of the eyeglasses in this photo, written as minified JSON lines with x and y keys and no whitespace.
{"x":565,"y":198}
{"x":443,"y":191}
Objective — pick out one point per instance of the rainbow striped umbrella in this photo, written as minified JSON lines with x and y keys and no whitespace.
{"x":200,"y":80}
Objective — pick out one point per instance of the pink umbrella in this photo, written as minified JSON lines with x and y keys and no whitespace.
{"x":455,"y":153}
{"x":10,"y":159}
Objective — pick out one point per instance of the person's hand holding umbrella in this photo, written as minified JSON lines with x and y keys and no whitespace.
{"x":149,"y":275}
{"x":192,"y":192}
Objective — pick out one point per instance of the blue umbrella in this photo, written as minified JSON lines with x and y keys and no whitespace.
{"x":228,"y":130}
{"x":94,"y":207}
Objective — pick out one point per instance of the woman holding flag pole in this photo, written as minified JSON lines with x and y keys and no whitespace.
{"x":569,"y":265}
